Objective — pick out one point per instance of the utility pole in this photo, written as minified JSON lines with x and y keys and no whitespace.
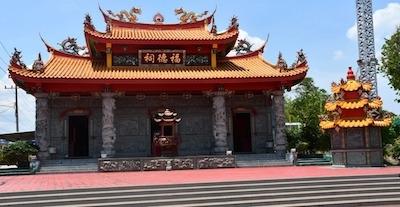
{"x":16,"y":105}
{"x":366,"y":46}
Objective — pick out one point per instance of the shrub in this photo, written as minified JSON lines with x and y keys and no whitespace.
{"x":293,"y":136}
{"x":17,"y":153}
{"x":302,"y":147}
{"x":2,"y":161}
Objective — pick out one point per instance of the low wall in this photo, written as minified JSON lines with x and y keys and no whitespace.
{"x":164,"y":163}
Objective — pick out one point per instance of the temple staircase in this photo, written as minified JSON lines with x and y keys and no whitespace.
{"x":260,"y":160}
{"x":68,"y":165}
{"x":375,"y":190}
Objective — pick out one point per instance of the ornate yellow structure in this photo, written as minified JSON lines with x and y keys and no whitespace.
{"x":353,"y":121}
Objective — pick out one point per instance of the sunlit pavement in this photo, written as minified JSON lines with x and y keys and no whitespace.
{"x":119,"y":179}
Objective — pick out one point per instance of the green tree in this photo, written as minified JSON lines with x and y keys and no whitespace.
{"x":391,"y":61}
{"x":391,"y":141}
{"x":307,"y":104}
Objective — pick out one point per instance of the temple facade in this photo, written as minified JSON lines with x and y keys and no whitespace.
{"x":158,"y":89}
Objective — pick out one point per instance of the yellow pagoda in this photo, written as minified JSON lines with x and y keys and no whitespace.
{"x":353,"y":120}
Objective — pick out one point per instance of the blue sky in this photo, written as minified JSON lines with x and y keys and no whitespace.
{"x":320,"y":27}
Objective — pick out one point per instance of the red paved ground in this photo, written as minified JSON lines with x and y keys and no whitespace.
{"x":118,"y":179}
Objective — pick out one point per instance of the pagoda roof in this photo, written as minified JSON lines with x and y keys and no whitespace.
{"x":65,"y":66}
{"x":151,"y":33}
{"x":357,"y":110}
{"x":201,"y":23}
{"x":355,"y":123}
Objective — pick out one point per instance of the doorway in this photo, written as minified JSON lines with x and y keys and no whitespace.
{"x":78,"y":136}
{"x":155,"y":129}
{"x":242,"y":132}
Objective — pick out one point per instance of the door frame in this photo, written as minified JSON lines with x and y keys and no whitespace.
{"x":252,"y":127}
{"x":69,"y":153}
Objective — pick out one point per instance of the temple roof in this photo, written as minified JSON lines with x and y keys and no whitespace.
{"x":199,"y":23}
{"x":165,"y":34}
{"x":196,"y":30}
{"x":64,"y":66}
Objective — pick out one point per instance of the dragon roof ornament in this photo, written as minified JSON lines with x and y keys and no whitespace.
{"x":242,"y":47}
{"x":16,"y":59}
{"x":188,"y":16}
{"x":70,"y":46}
{"x":126,"y":16}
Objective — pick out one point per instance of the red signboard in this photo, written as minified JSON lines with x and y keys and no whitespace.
{"x":161,"y":57}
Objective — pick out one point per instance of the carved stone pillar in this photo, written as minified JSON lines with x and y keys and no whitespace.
{"x":270,"y":122}
{"x":108,"y":131}
{"x":280,"y":136}
{"x":41,"y":132}
{"x":220,"y":128}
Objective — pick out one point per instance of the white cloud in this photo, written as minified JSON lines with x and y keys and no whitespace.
{"x":26,"y":106}
{"x":256,"y":41}
{"x":386,"y":21}
{"x":338,"y":55}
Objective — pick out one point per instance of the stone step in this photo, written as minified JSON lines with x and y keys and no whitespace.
{"x":5,"y":172}
{"x":313,"y":161}
{"x":262,"y":163}
{"x":68,"y":165}
{"x":294,"y":192}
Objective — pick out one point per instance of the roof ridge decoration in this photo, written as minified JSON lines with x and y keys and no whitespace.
{"x":16,"y":59}
{"x":301,"y":61}
{"x":158,"y":18}
{"x":234,"y":25}
{"x":88,"y":22}
{"x":188,"y":16}
{"x":70,"y":46}
{"x":281,"y":63}
{"x":243,"y":47}
{"x":38,"y":65}
{"x":126,"y":16}
{"x":214,"y":29}
{"x":60,"y":52}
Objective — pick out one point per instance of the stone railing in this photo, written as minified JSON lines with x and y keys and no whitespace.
{"x":165,"y":163}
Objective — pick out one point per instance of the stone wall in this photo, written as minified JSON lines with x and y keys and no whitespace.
{"x":132,"y":120}
{"x":62,"y":107}
{"x":261,"y":116}
{"x":172,"y":163}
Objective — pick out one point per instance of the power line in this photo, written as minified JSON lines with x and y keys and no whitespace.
{"x":3,"y":70}
{"x":16,"y":106}
{"x":5,"y":49}
{"x":2,"y":60}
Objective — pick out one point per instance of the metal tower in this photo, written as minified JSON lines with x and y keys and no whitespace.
{"x":366,"y":44}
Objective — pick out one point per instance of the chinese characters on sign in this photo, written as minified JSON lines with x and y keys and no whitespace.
{"x":149,"y":57}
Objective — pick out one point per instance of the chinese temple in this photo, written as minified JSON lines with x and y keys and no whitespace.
{"x":158,"y":89}
{"x":353,"y":122}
